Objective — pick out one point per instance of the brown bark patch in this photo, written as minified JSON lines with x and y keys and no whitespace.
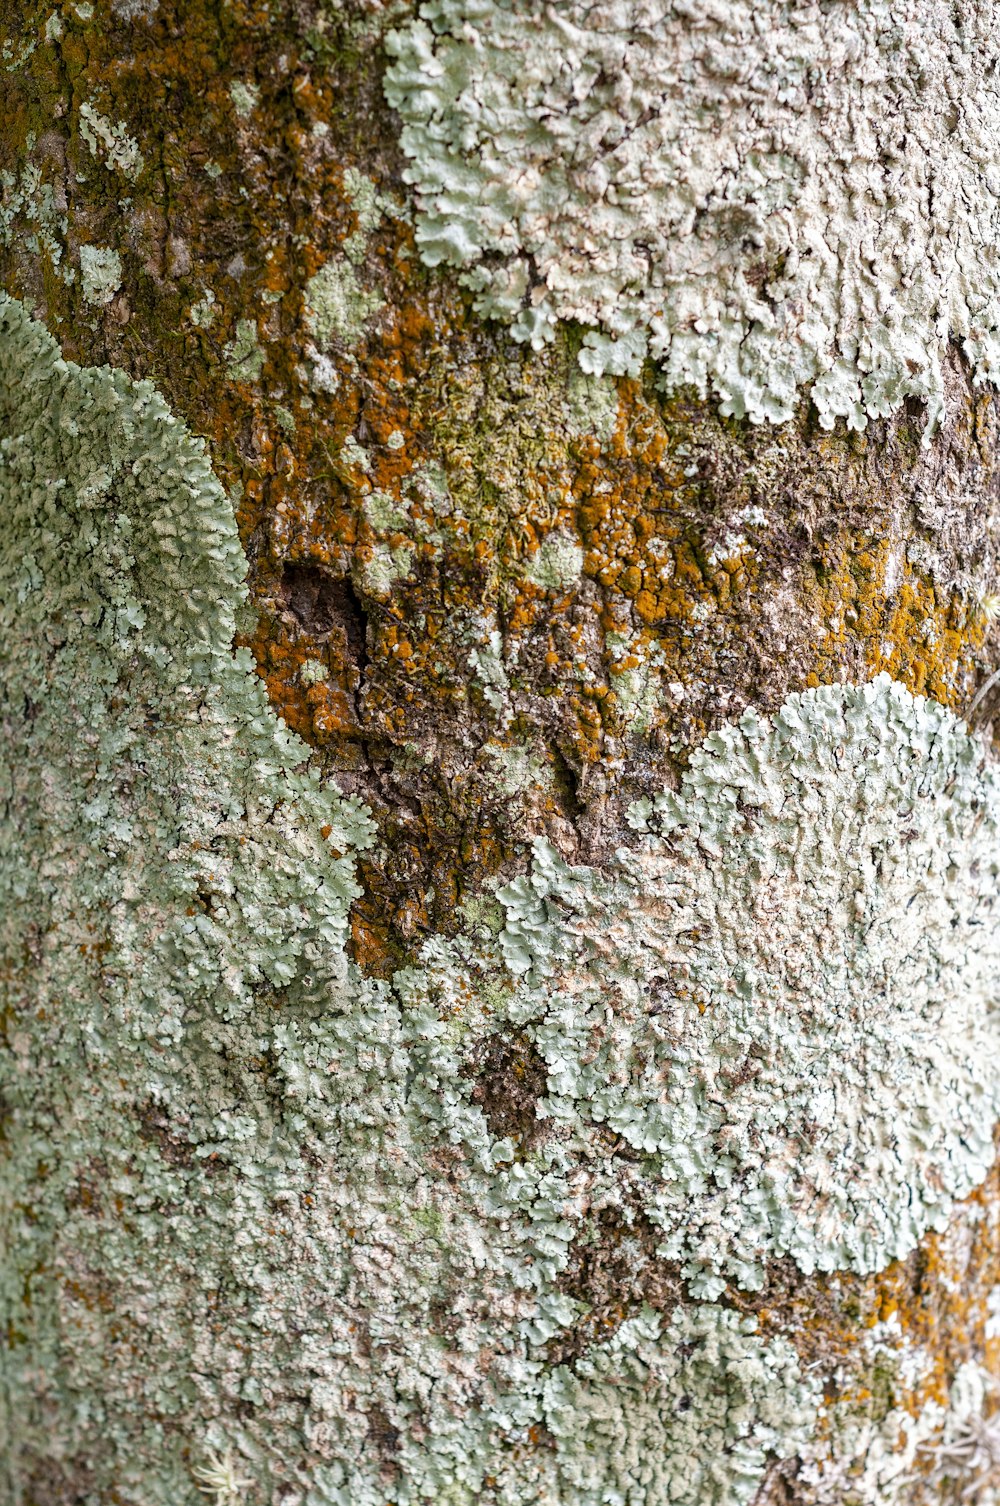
{"x":509,"y":1077}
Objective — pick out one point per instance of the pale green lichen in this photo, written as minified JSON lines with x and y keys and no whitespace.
{"x":111,"y":140}
{"x":592,"y":404}
{"x":902,"y":1458}
{"x":383,"y":567}
{"x":203,"y":312}
{"x":223,"y":1145}
{"x":786,"y":999}
{"x":243,"y":353}
{"x":336,"y":304}
{"x":515,"y":770}
{"x":174,"y":855}
{"x":365,"y":199}
{"x":752,"y":1401}
{"x":759,"y":196}
{"x":385,"y":513}
{"x":557,"y":562}
{"x":487,"y":664}
{"x":29,"y":211}
{"x":101,"y":274}
{"x":244,"y":97}
{"x":313,"y":672}
{"x":369,"y":206}
{"x":354,"y":455}
{"x":13,"y":58}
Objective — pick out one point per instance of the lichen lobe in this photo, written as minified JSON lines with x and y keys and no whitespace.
{"x":786,"y":998}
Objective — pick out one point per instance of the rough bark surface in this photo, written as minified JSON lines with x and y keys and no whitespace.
{"x":326,"y":1105}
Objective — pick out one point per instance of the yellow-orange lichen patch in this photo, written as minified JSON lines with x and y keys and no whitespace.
{"x":925,"y":635}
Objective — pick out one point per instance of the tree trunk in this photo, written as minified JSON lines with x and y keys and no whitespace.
{"x":500,"y":808}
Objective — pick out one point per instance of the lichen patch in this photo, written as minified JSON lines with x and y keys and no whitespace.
{"x":100,"y":273}
{"x":204,"y":1095}
{"x":785,"y":1001}
{"x":399,"y":1197}
{"x":759,"y":197}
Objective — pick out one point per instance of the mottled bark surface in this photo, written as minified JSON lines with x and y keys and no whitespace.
{"x":498,"y":599}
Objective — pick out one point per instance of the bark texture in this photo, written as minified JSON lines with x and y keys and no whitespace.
{"x":498,"y":973}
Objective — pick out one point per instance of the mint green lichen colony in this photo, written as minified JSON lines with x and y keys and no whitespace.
{"x":262,"y":1223}
{"x":233,"y":1238}
{"x":761,"y":197}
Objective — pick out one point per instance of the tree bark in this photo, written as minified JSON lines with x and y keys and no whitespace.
{"x":499,"y":857}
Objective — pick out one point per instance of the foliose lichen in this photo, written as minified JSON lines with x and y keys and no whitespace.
{"x":261,"y":1225}
{"x":244,"y":356}
{"x":882,"y":1460}
{"x":336,"y":304}
{"x":785,"y":999}
{"x":100,"y":273}
{"x":265,"y":1220}
{"x":110,"y":140}
{"x":759,"y":197}
{"x":172,"y":861}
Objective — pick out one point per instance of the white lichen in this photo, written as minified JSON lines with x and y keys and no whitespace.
{"x":100,"y":274}
{"x":383,"y":568}
{"x":219,"y":1476}
{"x":867,"y":1462}
{"x":758,"y":196}
{"x":972,"y":1461}
{"x":917,"y":1457}
{"x":110,"y":139}
{"x":487,"y":664}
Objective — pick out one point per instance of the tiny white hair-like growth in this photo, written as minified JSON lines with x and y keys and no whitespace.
{"x":971,"y":1459}
{"x":760,"y":195}
{"x":220,"y":1477}
{"x":967,"y":1453}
